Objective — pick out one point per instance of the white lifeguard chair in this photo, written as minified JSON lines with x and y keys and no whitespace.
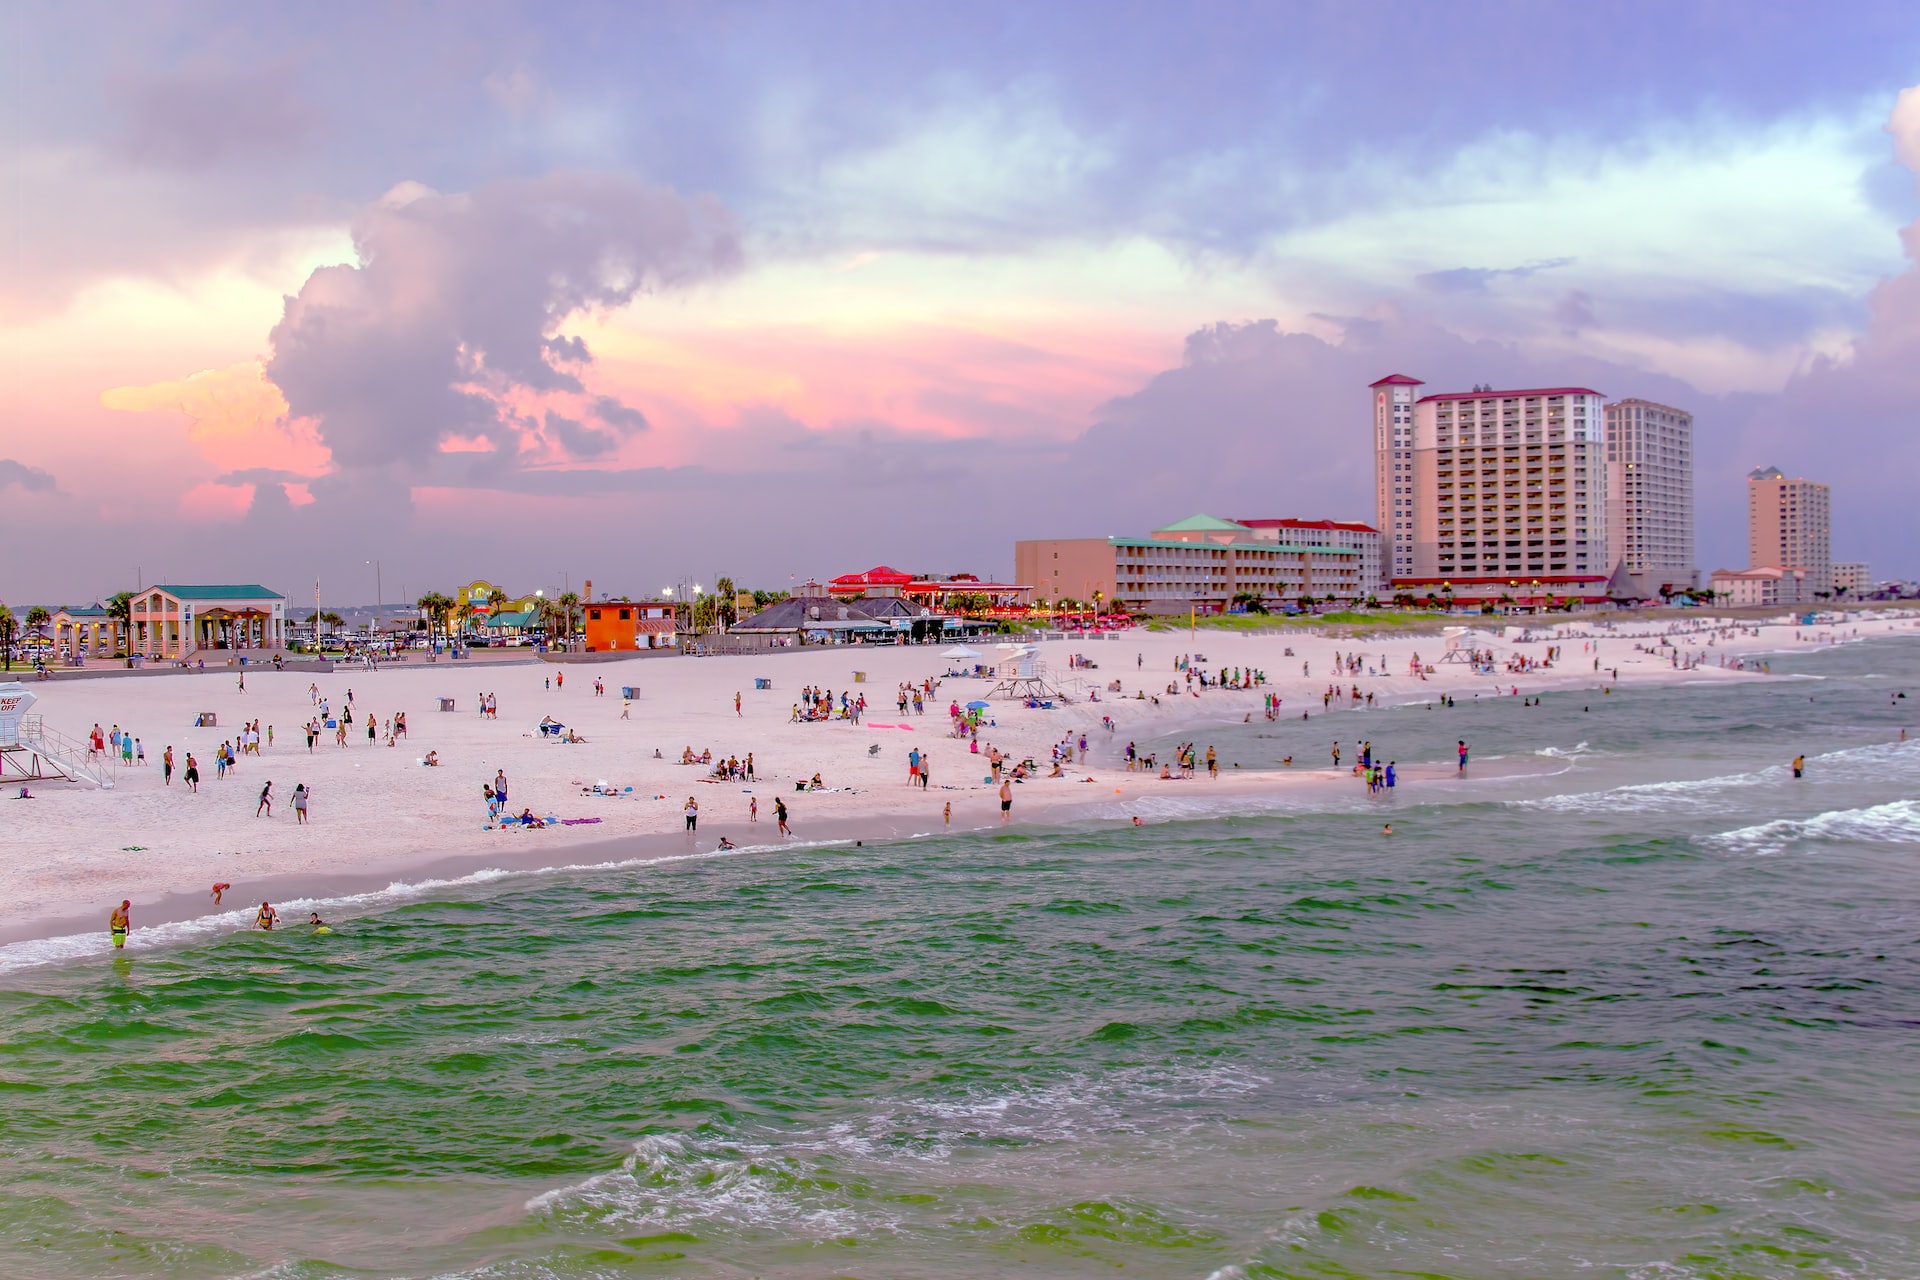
{"x":30,"y":752}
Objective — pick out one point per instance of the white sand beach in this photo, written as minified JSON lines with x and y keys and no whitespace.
{"x":376,"y":813}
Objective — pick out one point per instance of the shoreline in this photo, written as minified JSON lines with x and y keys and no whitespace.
{"x":381,"y":823}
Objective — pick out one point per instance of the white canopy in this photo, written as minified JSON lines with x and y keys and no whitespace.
{"x":958,"y":651}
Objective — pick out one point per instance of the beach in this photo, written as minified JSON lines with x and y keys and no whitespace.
{"x":1627,"y":961}
{"x":379,"y":817}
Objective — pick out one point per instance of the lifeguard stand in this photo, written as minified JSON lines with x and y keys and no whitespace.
{"x":30,"y":752}
{"x":1023,"y":675}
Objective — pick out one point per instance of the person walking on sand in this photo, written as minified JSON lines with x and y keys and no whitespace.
{"x":266,"y":800}
{"x":300,"y":794}
{"x":753,"y":809}
{"x":243,"y":680}
{"x":166,"y":767}
{"x":780,"y":815}
{"x":736,"y":702}
{"x":1461,"y":747}
{"x":626,"y":705}
{"x":192,"y":775}
{"x":1799,"y":766}
{"x":1006,"y":801}
{"x":692,"y":812}
{"x":119,"y":922}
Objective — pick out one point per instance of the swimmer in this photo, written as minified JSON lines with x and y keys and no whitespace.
{"x":266,"y":917}
{"x":1387,"y":830}
{"x":1137,"y":822}
{"x":725,"y":843}
{"x":119,"y":922}
{"x":219,"y":887}
{"x":319,"y":925}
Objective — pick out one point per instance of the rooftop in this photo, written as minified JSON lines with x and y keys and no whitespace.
{"x":1527,"y":393}
{"x":227,"y":591}
{"x":1353,"y":525}
{"x":1200,"y":524}
{"x":1397,"y":380}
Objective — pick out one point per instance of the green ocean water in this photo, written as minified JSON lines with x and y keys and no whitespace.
{"x":1651,"y":1013}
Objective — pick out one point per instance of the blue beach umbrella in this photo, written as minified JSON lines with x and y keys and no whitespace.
{"x":977,"y":705}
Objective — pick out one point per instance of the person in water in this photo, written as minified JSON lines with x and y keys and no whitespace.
{"x":119,"y":922}
{"x":266,"y":917}
{"x":1799,"y":766}
{"x":319,"y":925}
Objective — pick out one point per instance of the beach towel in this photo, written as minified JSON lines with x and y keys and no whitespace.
{"x":577,"y":822}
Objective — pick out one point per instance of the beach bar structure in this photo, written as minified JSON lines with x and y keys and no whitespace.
{"x":937,"y":593}
{"x":622,"y":626}
{"x":180,"y":621}
{"x":805,"y":620}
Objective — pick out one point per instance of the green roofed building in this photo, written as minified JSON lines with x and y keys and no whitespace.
{"x":185,"y":620}
{"x":1202,"y":562}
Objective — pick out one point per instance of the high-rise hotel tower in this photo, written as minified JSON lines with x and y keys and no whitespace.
{"x":1487,"y":493}
{"x":1650,"y":496}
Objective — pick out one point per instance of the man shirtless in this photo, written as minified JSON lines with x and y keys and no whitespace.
{"x":119,"y":922}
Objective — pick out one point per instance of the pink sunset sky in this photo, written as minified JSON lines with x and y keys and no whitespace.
{"x":633,"y":293}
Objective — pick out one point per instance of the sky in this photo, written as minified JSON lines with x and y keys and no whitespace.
{"x":390,"y":297}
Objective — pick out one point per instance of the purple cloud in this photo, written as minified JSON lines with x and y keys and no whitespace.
{"x":457,"y":300}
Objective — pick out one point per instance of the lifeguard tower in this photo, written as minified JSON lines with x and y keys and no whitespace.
{"x":1023,"y":675}
{"x":30,"y":752}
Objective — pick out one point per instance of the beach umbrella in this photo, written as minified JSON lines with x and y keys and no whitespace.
{"x":959,"y":651}
{"x":977,"y":705}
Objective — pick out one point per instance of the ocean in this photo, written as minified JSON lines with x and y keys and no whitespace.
{"x":1626,"y":1001}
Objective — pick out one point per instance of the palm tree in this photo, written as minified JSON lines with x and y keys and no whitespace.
{"x":569,"y":601}
{"x":547,"y":612}
{"x":436,"y":607}
{"x":723,"y":592}
{"x":9,"y":627}
{"x":465,"y":611}
{"x":37,"y":620}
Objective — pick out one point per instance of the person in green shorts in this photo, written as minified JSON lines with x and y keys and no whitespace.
{"x":119,"y":922}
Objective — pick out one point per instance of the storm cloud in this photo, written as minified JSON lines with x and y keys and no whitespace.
{"x":456,"y":303}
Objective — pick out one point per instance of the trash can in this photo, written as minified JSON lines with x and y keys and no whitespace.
{"x":446,"y":704}
{"x":761,"y":682}
{"x":631,"y":692}
{"x":206,"y":720}
{"x":859,"y":677}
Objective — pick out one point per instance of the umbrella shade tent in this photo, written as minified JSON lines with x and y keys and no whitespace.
{"x":977,"y":705}
{"x":959,"y":651}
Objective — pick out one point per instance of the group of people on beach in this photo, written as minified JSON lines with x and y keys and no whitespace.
{"x":114,"y":744}
{"x":818,"y":704}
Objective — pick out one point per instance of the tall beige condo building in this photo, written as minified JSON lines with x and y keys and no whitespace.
{"x":1650,"y":496}
{"x":1788,"y":526}
{"x":1487,"y":493}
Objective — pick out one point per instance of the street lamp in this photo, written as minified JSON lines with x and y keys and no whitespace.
{"x":379,"y":595}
